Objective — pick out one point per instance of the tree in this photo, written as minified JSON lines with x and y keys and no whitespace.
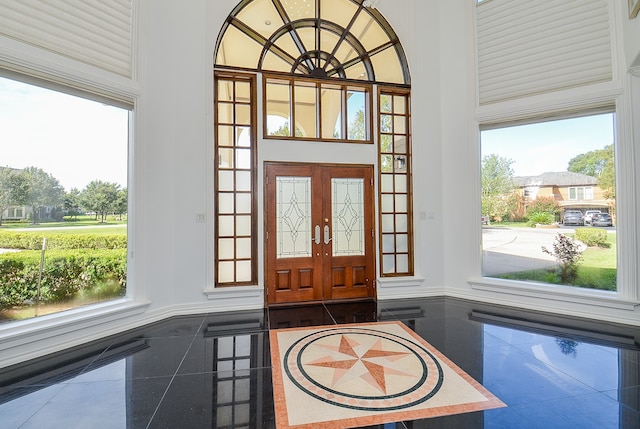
{"x":600,"y":164}
{"x":40,"y":190}
{"x":121,"y":204}
{"x":357,"y":129}
{"x":71,"y":203}
{"x":497,"y":187}
{"x":285,"y":131}
{"x":11,"y":184}
{"x":100,"y":197}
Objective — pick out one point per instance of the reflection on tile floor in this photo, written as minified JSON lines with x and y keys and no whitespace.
{"x":214,"y":371}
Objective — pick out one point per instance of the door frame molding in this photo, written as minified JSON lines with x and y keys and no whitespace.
{"x":374,"y":214}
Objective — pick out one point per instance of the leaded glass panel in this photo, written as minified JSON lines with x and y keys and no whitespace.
{"x":347,"y":202}
{"x":293,"y":217}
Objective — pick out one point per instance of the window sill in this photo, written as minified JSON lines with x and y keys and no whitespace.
{"x":89,"y":314}
{"x":555,"y":292}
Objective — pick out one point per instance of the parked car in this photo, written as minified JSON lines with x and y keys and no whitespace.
{"x":573,"y":217}
{"x":601,"y":219}
{"x":588,"y":215}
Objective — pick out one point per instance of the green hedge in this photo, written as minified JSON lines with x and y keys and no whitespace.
{"x":66,"y":274}
{"x":33,"y":240}
{"x":592,"y":236}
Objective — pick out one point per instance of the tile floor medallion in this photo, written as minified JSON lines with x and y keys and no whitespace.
{"x":364,"y":374}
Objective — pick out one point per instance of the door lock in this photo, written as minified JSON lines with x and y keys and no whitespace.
{"x":327,"y":238}
{"x":317,"y":233}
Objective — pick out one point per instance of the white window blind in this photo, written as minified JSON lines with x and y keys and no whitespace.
{"x":96,"y":32}
{"x":533,"y":47}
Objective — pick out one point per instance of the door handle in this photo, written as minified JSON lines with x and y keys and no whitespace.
{"x":317,"y":234}
{"x":327,"y":239}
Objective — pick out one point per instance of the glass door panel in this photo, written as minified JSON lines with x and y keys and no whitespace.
{"x":293,"y":218}
{"x":348,"y":216}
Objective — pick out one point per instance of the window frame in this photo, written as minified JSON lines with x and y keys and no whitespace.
{"x":345,"y":87}
{"x":586,"y":192}
{"x":627,"y":294}
{"x":406,"y":93}
{"x":252,"y":80}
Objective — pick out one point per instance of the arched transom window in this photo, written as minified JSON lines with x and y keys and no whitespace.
{"x":317,"y":38}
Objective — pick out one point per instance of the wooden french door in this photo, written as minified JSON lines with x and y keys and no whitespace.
{"x":319,"y":232}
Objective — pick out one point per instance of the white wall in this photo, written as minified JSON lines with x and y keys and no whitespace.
{"x":631,"y":28}
{"x":172,"y":254}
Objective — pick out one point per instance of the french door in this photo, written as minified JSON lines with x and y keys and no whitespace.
{"x":319,"y":232}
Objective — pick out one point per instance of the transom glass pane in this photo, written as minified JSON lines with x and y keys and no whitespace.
{"x":356,"y":114}
{"x":293,"y":217}
{"x":261,"y":16}
{"x":369,"y":32}
{"x":278,"y":106}
{"x":261,"y":38}
{"x":331,"y":102}
{"x":239,"y":49}
{"x":305,"y":110}
{"x":347,"y":198}
{"x":299,"y":9}
{"x":387,"y":66}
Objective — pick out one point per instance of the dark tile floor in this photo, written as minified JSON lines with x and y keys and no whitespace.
{"x":214,"y":371}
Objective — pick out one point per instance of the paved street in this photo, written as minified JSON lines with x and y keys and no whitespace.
{"x":508,"y":250}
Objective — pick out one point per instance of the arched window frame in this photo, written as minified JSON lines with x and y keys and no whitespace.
{"x":319,"y":67}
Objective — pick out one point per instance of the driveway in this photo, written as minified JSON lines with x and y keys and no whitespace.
{"x":506,"y":250}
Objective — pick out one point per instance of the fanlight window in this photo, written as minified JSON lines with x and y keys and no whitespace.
{"x":318,"y":38}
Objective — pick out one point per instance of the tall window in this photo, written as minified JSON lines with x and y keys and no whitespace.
{"x":235,"y":160}
{"x":550,"y":237}
{"x":63,"y":201}
{"x":394,"y":148}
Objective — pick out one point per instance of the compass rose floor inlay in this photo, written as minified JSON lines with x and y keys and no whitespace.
{"x":343,"y":376}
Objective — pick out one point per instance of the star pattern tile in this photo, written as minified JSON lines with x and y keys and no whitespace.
{"x":372,"y":364}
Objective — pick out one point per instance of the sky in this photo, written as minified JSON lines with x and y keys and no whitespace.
{"x":548,"y":146}
{"x":78,"y":140}
{"x":74,"y":139}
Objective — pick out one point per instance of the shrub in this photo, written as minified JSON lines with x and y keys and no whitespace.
{"x":543,"y":205}
{"x":592,"y":237}
{"x":65,"y":274}
{"x":33,"y":241}
{"x":567,"y":253}
{"x":542,"y":218}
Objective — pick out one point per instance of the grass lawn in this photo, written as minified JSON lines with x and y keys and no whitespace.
{"x":79,"y":221}
{"x":82,"y":224}
{"x":597,"y":269}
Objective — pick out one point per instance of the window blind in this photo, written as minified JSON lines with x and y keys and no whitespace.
{"x":532,"y":47}
{"x":96,"y":32}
